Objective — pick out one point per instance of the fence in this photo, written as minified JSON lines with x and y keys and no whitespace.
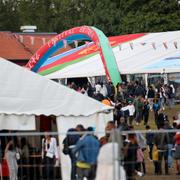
{"x":31,"y":166}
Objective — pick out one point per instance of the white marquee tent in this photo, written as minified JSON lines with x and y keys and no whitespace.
{"x":25,"y":94}
{"x":132,"y":57}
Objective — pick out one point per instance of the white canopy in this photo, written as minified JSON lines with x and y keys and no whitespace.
{"x":24,"y":92}
{"x":132,"y":57}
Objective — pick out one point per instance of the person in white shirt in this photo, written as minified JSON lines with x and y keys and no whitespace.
{"x":98,"y":87}
{"x":49,"y":155}
{"x":130,"y":107}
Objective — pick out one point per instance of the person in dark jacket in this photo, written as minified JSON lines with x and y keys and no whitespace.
{"x":149,"y":140}
{"x":151,"y":95}
{"x":170,"y":143}
{"x":161,"y":140}
{"x":130,"y":155}
{"x":146,"y":112}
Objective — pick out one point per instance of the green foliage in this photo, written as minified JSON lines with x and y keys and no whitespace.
{"x":113,"y":17}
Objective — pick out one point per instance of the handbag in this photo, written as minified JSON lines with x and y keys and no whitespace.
{"x":66,"y":149}
{"x":5,"y":168}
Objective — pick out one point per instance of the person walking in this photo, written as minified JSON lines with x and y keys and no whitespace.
{"x":139,"y":105}
{"x":161,"y":140}
{"x":146,"y":112}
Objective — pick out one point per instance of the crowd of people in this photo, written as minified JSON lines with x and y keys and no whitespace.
{"x":131,"y":99}
{"x":133,"y":103}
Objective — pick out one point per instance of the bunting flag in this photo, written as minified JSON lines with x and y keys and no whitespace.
{"x":16,"y":36}
{"x":112,"y":42}
{"x":175,"y":44}
{"x":44,"y":41}
{"x":21,"y":38}
{"x":165,"y":45}
{"x":119,"y":47}
{"x":154,"y":46}
{"x":32,"y":40}
{"x":131,"y":45}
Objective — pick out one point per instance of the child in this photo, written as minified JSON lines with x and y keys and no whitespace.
{"x":140,"y":161}
{"x":155,"y":159}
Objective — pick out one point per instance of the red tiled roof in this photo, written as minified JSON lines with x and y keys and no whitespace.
{"x":11,"y":48}
{"x":17,"y":46}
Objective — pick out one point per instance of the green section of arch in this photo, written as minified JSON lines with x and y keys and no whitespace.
{"x":109,"y":57}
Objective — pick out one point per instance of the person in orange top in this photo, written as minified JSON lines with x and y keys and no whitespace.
{"x":106,"y":102}
{"x":155,"y":159}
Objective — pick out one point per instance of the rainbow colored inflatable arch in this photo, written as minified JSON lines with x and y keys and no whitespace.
{"x":79,"y":33}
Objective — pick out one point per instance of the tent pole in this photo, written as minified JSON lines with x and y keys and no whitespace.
{"x":146,"y":80}
{"x":65,"y":81}
{"x":165,"y":78}
{"x":59,"y":81}
{"x":128,"y":78}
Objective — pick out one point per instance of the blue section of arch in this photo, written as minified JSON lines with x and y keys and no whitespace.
{"x":64,"y":54}
{"x":57,"y":46}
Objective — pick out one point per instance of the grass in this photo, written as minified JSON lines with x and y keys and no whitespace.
{"x":167,"y":111}
{"x":149,"y":165}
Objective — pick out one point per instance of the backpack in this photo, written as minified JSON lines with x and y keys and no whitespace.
{"x":65,"y":149}
{"x":163,"y":142}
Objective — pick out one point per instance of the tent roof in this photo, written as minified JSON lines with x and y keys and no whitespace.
{"x":25,"y":92}
{"x":131,"y":56}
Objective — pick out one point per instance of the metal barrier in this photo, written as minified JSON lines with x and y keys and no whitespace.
{"x":32,"y":167}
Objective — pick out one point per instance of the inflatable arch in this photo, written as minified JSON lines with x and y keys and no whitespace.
{"x":74,"y":34}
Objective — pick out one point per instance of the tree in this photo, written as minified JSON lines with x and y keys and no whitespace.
{"x":9,"y":19}
{"x":113,"y":17}
{"x":150,"y":16}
